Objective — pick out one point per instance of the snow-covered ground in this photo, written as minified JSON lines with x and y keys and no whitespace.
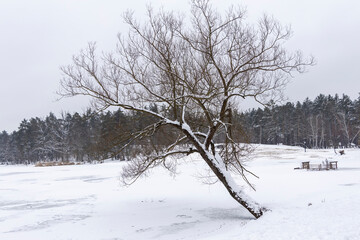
{"x":88,"y":202}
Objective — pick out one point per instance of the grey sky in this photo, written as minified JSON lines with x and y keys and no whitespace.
{"x":38,"y":36}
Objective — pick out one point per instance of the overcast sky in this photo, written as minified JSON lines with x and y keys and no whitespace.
{"x":38,"y":36}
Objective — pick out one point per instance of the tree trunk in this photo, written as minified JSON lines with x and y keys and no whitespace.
{"x":226,"y":179}
{"x":233,"y":189}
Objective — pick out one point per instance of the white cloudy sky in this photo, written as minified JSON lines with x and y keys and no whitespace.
{"x":38,"y":36}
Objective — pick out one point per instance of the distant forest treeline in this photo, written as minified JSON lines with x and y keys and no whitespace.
{"x":323,"y":123}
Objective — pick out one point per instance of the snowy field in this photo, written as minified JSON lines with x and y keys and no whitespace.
{"x":87,"y":202}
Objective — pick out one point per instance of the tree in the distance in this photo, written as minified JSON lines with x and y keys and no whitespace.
{"x":196,"y":69}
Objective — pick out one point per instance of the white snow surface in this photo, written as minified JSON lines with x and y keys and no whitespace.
{"x":88,"y":202}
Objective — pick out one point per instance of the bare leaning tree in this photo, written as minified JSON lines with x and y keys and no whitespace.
{"x":195,"y":68}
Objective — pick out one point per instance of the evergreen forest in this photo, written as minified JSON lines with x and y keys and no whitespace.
{"x":326,"y":122}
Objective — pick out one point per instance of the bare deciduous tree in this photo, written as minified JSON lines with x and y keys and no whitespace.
{"x":196,"y":69}
{"x":345,"y":126}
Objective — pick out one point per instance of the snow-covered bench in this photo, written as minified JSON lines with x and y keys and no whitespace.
{"x":333,"y":165}
{"x":316,"y":167}
{"x":321,"y":166}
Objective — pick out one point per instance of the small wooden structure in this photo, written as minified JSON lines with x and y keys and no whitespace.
{"x":305,"y":165}
{"x":324,"y":166}
{"x":333,"y":165}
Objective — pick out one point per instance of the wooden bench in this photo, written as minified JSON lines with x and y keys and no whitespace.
{"x":316,"y":167}
{"x":326,"y":166}
{"x":305,"y":165}
{"x":333,"y":165}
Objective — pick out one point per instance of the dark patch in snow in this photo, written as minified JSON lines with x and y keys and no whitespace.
{"x":8,"y":203}
{"x":95,"y":180}
{"x":226,"y":214}
{"x":183,"y":216}
{"x":178,"y":227}
{"x":26,"y":205}
{"x":57,"y":219}
{"x":15,"y":173}
{"x":9,"y":189}
{"x":349,"y":184}
{"x":76,"y":178}
{"x":89,"y":178}
{"x":141,"y":230}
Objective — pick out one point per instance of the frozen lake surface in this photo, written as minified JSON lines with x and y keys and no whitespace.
{"x":88,"y":201}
